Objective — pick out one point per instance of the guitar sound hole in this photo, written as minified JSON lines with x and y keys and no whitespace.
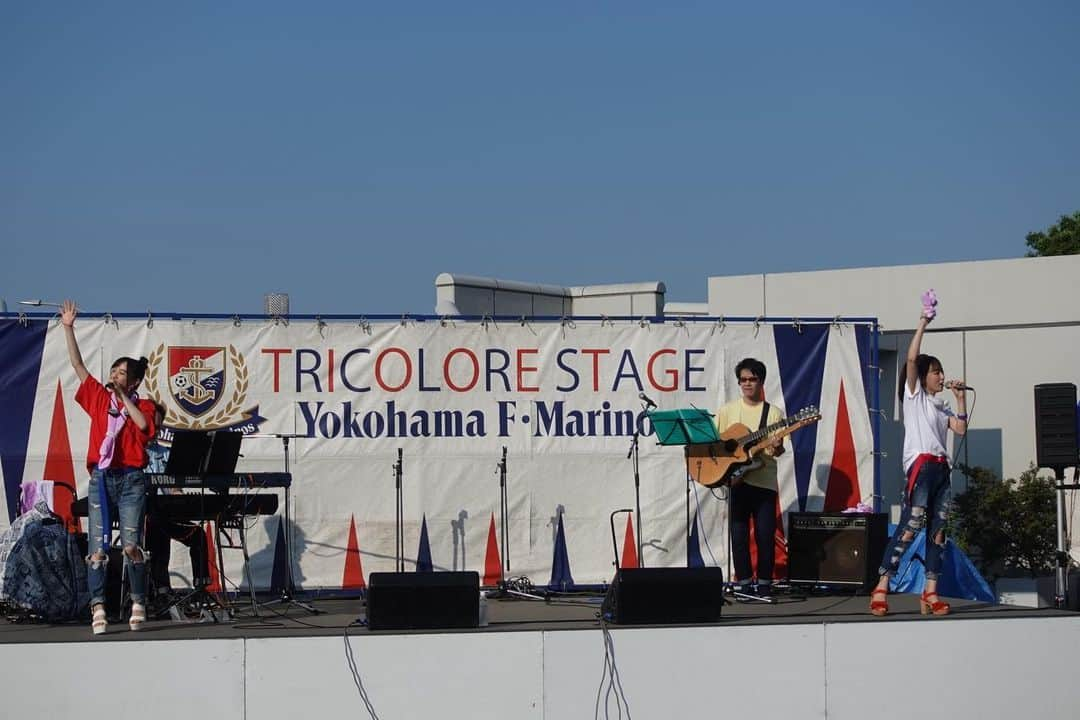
{"x":731,"y":446}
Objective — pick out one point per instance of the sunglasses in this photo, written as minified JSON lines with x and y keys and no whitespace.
{"x":749,"y":379}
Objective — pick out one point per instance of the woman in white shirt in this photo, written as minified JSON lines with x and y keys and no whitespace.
{"x":927,"y":421}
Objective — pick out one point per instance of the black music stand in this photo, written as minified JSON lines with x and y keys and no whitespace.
{"x":224,"y":453}
{"x":686,"y":427}
{"x":188,"y":453}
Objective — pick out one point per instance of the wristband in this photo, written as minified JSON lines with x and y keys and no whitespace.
{"x":962,"y":416}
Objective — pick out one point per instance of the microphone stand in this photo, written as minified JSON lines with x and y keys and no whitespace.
{"x":614,"y":542}
{"x":504,"y":512}
{"x":633,"y":455}
{"x":399,"y":519}
{"x":288,"y":592}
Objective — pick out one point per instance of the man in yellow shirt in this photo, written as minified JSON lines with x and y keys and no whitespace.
{"x":755,"y":493}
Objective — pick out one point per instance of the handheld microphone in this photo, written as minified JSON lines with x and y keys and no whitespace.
{"x":646,"y":399}
{"x":39,"y":303}
{"x":109,"y":386}
{"x":958,"y":385}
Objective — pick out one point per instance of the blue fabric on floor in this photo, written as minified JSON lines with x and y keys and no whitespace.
{"x":959,"y":578}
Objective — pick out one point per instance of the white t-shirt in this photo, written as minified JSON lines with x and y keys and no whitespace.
{"x":926,"y":424}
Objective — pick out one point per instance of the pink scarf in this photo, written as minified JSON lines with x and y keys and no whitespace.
{"x":117,"y":415}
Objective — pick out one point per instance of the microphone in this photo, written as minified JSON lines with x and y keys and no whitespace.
{"x":39,"y":303}
{"x":646,"y":399}
{"x":109,"y":386}
{"x":958,"y":386}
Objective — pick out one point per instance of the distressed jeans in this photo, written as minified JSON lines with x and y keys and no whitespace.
{"x":127,"y":502}
{"x":926,"y":507}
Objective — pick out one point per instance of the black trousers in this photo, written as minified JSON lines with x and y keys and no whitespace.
{"x":160,"y":532}
{"x":750,"y":501}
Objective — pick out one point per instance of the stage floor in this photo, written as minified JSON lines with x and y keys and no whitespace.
{"x":558,"y":612}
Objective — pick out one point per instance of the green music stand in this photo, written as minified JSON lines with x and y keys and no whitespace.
{"x":686,"y":427}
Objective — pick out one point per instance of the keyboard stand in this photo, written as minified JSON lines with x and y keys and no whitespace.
{"x":236,"y":522}
{"x":210,"y":605}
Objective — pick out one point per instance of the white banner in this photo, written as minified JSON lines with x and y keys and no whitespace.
{"x":562,"y":399}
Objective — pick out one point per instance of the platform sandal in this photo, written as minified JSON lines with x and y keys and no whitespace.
{"x":100,"y":622}
{"x":138,"y":617}
{"x":879,"y":608}
{"x":934,"y":606}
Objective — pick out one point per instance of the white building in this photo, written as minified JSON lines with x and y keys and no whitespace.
{"x":1003,"y":326}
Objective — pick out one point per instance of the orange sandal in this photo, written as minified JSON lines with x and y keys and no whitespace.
{"x":930,"y":604}
{"x":879,"y":608}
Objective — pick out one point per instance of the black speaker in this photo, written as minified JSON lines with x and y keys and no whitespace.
{"x":836,"y":548}
{"x":423,"y":600}
{"x":1055,"y":425}
{"x":643,"y":596}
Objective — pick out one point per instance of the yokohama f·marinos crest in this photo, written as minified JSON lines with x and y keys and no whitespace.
{"x":205,"y":386}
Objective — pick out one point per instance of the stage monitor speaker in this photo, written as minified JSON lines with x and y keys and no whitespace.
{"x":642,"y":596}
{"x":836,"y":548}
{"x":423,"y":600}
{"x":1055,"y":425}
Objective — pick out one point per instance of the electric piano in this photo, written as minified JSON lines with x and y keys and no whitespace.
{"x":221,"y":482}
{"x":195,"y":507}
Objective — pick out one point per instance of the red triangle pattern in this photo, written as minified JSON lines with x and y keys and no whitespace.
{"x":59,"y":466}
{"x":492,"y":559}
{"x":211,"y":550}
{"x":780,"y":570}
{"x":353,"y":576}
{"x":629,"y":547}
{"x":842,"y":491}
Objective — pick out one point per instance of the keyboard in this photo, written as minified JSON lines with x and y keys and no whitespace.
{"x":220,"y":483}
{"x":199,"y":507}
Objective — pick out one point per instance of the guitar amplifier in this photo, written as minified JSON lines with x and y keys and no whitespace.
{"x":836,"y":548}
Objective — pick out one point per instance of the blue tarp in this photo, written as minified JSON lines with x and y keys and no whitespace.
{"x":958,"y":579}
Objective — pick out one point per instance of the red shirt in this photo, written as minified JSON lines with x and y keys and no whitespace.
{"x":130,"y":448}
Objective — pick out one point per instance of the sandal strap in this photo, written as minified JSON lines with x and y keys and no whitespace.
{"x":100,"y":622}
{"x":138,"y":616}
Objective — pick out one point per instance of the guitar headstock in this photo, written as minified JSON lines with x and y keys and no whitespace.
{"x":807,"y":415}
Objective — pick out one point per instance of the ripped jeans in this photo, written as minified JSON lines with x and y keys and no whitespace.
{"x":127,"y":502}
{"x":929,"y":498}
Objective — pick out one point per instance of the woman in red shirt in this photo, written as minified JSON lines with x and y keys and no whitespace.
{"x":121,"y":425}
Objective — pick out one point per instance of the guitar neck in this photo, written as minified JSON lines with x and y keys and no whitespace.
{"x":759,"y":435}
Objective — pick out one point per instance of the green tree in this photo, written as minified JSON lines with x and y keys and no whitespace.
{"x":1007,"y":525}
{"x":1060,"y":239}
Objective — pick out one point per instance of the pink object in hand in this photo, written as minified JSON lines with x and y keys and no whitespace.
{"x":929,"y":304}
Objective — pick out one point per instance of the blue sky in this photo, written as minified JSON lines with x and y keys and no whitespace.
{"x":194,"y":156}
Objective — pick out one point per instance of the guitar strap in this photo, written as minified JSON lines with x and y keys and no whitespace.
{"x":764,"y":416}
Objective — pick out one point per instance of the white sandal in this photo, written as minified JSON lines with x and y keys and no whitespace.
{"x":138,"y":617}
{"x":100,"y":622}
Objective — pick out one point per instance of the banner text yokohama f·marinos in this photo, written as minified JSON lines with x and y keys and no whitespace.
{"x":562,"y":398}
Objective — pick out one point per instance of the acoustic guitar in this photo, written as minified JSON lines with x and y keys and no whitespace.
{"x":726,"y":461}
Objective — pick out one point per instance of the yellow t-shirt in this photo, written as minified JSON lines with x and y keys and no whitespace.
{"x":739,"y":411}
